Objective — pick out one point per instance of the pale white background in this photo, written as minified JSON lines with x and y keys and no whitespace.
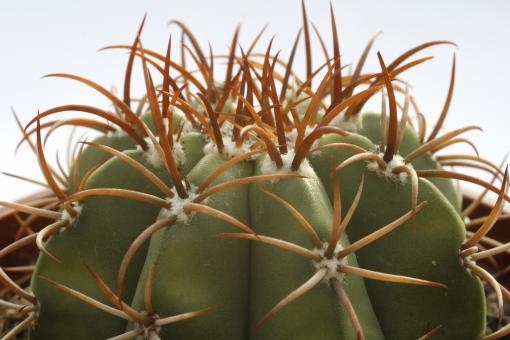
{"x":40,"y":37}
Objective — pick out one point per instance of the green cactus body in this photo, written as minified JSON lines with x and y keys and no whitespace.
{"x":370,"y":128}
{"x":259,"y":224}
{"x":407,"y":251}
{"x":90,"y":157}
{"x":99,"y":238}
{"x":323,"y":160}
{"x":275,"y":273}
{"x":426,"y":248}
{"x":196,"y":268}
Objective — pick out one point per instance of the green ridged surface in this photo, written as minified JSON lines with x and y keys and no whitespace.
{"x":197,"y":269}
{"x":243,"y":280}
{"x":426,"y":249}
{"x":100,"y":237}
{"x":371,"y":123}
{"x":275,"y":272}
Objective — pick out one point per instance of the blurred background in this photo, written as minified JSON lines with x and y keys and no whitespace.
{"x":64,"y":36}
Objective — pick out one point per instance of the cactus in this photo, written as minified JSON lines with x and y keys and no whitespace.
{"x":257,"y":208}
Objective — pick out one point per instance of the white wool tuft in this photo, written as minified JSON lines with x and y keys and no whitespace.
{"x":397,"y":161}
{"x":268,"y":167}
{"x":150,"y":332}
{"x":292,"y":136}
{"x":230,"y":149}
{"x":152,"y":155}
{"x":210,"y":148}
{"x":178,"y":152}
{"x":70,"y":219}
{"x":177,"y":205}
{"x":227,"y":129}
{"x":331,"y":264}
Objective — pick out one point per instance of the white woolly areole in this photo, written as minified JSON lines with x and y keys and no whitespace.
{"x":397,"y":161}
{"x":331,"y":264}
{"x":230,"y":149}
{"x":152,"y":155}
{"x":178,"y":152}
{"x":150,"y":332}
{"x":466,"y":261}
{"x":292,"y":136}
{"x":178,"y":204}
{"x":70,"y":219}
{"x":268,"y":167}
{"x":226,"y":129}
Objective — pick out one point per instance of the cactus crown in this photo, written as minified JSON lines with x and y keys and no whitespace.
{"x":355,"y":229}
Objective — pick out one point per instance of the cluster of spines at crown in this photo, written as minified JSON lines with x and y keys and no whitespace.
{"x":238,"y":198}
